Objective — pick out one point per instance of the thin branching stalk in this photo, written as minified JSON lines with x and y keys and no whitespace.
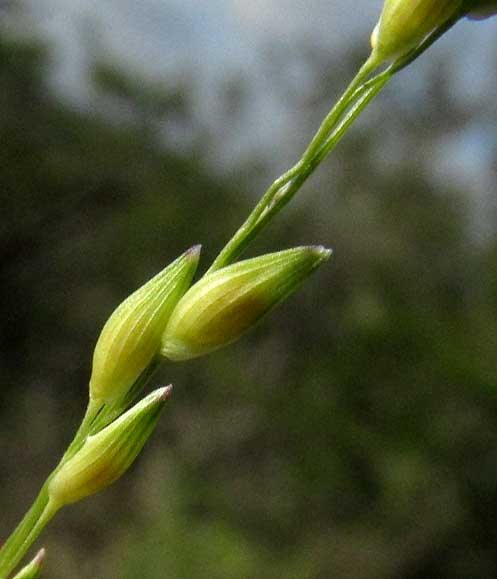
{"x":100,"y":414}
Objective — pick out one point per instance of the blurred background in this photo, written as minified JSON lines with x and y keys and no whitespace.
{"x":353,"y":435}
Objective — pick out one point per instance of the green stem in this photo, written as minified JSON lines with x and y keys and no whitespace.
{"x":370,"y":92}
{"x":284,"y":188}
{"x":11,"y":553}
{"x":293,"y":187}
{"x":93,"y":410}
{"x":44,"y":517}
{"x":17,"y":544}
{"x":97,"y":416}
{"x":338,"y":111}
{"x":354,"y":100}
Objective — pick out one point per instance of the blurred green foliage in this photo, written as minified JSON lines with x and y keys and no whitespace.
{"x":352,"y":435}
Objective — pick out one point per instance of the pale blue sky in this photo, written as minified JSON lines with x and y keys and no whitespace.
{"x":218,"y":35}
{"x":221,"y":38}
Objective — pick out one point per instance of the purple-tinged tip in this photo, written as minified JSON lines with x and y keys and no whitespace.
{"x":194,"y":251}
{"x":40,"y":557}
{"x":165,"y":393}
{"x":320,"y":251}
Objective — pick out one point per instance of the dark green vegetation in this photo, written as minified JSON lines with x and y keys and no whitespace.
{"x":353,"y":435}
